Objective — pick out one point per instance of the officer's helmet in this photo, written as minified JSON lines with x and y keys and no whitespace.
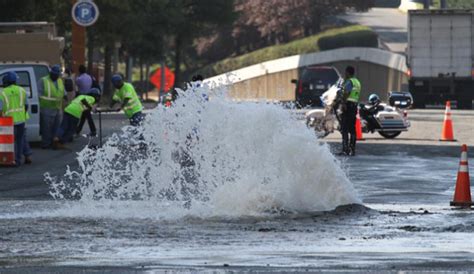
{"x":374,"y":99}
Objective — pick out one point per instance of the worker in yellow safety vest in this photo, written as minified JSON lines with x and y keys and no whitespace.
{"x":51,"y":96}
{"x":352,"y":89}
{"x":13,"y":103}
{"x":128,"y":99}
{"x":72,"y":115}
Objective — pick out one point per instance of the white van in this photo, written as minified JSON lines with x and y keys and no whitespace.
{"x":29,"y":75}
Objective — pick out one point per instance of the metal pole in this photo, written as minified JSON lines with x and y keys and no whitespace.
{"x":162,"y":76}
{"x":100,"y":129}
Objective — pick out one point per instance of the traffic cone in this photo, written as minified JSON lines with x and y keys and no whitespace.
{"x":447,"y":134}
{"x":462,"y":193}
{"x":7,"y":142}
{"x":358,"y":127}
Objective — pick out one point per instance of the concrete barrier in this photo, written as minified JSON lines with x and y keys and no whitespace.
{"x":379,"y":71}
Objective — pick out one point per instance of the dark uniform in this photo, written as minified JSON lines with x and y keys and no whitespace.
{"x":352,"y":91}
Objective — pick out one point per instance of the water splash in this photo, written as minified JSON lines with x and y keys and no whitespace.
{"x":211,"y":158}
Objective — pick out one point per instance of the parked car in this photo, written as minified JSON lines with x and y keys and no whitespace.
{"x":312,"y":83}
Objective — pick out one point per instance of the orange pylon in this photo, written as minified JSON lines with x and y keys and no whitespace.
{"x":462,"y":193}
{"x":7,"y":141}
{"x":447,"y":132}
{"x":358,"y":127}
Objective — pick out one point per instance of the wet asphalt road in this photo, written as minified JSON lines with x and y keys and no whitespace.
{"x":405,"y":223}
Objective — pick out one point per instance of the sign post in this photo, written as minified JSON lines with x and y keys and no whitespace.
{"x":84,"y":14}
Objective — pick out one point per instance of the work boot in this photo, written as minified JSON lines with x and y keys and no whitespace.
{"x":352,"y":151}
{"x":57,"y":144}
{"x":28,"y":160}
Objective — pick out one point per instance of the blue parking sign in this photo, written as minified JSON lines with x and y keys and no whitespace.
{"x":85,"y":13}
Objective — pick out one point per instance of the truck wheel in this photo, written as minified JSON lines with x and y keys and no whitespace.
{"x":389,"y":134}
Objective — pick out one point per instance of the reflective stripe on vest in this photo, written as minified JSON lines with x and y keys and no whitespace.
{"x":12,"y":107}
{"x":355,"y":92}
{"x":53,"y":98}
{"x":134,"y":105}
{"x":76,"y":107}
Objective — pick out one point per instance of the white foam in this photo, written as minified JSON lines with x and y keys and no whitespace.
{"x":249,"y":158}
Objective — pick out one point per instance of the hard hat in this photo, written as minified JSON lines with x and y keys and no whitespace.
{"x":117,"y":78}
{"x":10,"y":77}
{"x":56,"y":69}
{"x":94,"y":92}
{"x":374,"y":98}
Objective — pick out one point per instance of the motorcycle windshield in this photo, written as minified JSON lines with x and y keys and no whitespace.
{"x":329,"y":96}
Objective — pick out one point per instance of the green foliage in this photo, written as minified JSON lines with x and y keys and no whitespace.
{"x":362,"y":38}
{"x":460,"y":4}
{"x":358,"y":34}
{"x":456,"y":4}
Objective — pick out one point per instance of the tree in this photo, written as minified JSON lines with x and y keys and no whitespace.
{"x":192,"y":18}
{"x":109,"y":29}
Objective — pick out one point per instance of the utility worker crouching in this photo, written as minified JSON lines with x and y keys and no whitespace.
{"x":13,"y":103}
{"x":352,"y":88}
{"x":72,"y":115}
{"x":127,"y":97}
{"x":51,"y":95}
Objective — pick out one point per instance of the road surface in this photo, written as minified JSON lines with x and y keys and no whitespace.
{"x":405,"y":222}
{"x":389,"y":23}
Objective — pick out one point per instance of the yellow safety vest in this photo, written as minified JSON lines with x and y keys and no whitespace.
{"x":13,"y":98}
{"x":76,"y":107}
{"x":354,"y":96}
{"x":52,"y":97}
{"x":134,"y":105}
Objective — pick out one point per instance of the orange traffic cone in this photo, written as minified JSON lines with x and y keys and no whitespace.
{"x":358,"y":127}
{"x":7,"y":140}
{"x":462,"y":194}
{"x":447,"y":133}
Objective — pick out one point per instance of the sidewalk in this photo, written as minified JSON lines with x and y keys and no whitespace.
{"x":27,"y":181}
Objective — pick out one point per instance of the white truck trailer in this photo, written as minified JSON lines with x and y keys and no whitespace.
{"x":440,"y":57}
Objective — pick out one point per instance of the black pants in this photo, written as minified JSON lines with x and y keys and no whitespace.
{"x":86,"y":115}
{"x":348,"y":127}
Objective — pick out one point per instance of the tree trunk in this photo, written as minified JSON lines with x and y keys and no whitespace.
{"x":317,"y":23}
{"x":147,"y":85}
{"x":177,"y":65}
{"x":90,"y":54}
{"x":141,"y":77}
{"x":108,"y":70}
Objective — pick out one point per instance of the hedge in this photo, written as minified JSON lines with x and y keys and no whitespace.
{"x":350,"y":36}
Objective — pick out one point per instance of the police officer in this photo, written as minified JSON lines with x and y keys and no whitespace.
{"x":51,"y":94}
{"x":13,"y":103}
{"x":351,"y":96}
{"x":128,"y":99}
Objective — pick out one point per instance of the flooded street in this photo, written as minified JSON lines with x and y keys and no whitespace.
{"x":249,"y":189}
{"x":405,"y":223}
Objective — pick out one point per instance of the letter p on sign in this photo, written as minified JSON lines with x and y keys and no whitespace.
{"x":85,"y":12}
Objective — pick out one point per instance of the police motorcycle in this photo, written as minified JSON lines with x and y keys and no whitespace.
{"x":388,"y":120}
